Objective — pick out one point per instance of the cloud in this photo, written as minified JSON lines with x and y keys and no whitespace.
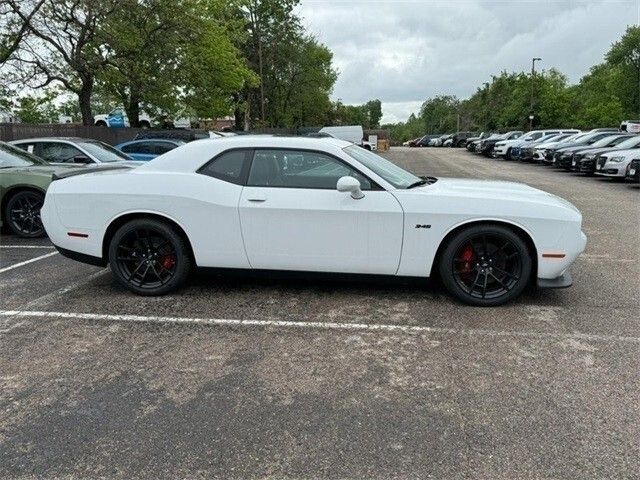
{"x":403,"y":52}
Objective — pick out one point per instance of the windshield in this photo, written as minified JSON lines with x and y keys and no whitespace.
{"x":629,"y":142}
{"x":608,"y":141}
{"x":104,"y":152}
{"x":11,"y":156}
{"x":392,"y":173}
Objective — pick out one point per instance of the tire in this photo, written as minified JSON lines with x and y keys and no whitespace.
{"x":507,"y":155}
{"x":22,"y":214}
{"x":100,"y":123}
{"x":145,"y":125}
{"x":152,"y":245}
{"x":502,"y":274}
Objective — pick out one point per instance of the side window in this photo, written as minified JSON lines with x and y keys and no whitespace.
{"x":162,"y":147}
{"x":300,"y":169}
{"x":133,"y":148}
{"x":57,"y":152}
{"x":230,"y":166}
{"x":26,"y":146}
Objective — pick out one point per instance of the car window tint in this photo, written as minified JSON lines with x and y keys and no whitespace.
{"x":300,"y":169}
{"x":162,"y":147}
{"x":229,"y":166}
{"x":57,"y":152}
{"x":135,"y":148}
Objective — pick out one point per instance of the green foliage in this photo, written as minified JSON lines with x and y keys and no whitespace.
{"x":294,"y":70}
{"x":368,"y":114}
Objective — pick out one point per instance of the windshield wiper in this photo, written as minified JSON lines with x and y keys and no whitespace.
{"x":419,"y":183}
{"x":425,"y":181}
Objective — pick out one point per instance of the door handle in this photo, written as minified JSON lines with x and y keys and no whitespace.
{"x":257,"y":199}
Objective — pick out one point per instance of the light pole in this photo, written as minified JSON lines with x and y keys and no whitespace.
{"x":533,"y":79}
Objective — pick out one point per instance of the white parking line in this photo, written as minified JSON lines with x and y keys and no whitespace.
{"x":316,"y":325}
{"x":28,"y":246}
{"x":26,"y":262}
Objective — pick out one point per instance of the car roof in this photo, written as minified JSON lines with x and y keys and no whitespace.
{"x":191,"y":156}
{"x":54,"y":139}
{"x":175,"y":141}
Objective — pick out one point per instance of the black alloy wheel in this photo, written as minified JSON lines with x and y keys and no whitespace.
{"x":23,"y":214}
{"x":149,"y":257}
{"x":486,"y":265}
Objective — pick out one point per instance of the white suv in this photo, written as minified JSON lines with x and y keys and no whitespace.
{"x":501,"y":148}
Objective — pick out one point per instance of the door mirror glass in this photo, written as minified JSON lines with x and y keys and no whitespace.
{"x":350,"y":185}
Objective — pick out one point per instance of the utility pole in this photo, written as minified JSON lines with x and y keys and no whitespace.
{"x":533,"y":82}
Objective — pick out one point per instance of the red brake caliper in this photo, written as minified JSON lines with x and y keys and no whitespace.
{"x":467,"y":258}
{"x":168,"y":261}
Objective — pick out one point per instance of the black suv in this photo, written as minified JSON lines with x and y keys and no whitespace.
{"x":460,"y":138}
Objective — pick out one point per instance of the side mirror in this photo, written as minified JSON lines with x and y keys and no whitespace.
{"x":81,"y":159}
{"x":350,"y":185}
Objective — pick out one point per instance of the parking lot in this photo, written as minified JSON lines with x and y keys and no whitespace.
{"x":241,"y":377}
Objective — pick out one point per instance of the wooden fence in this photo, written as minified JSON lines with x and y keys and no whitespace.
{"x":112,"y":136}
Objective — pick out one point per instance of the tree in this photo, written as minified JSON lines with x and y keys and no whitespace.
{"x":171,"y":55}
{"x":38,"y":108}
{"x":294,"y":70}
{"x":13,"y":27}
{"x":625,"y":56}
{"x":60,"y":44}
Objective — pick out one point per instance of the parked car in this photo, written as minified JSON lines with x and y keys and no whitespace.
{"x":311,"y":205}
{"x":542,"y":145}
{"x":23,"y":181}
{"x":473,"y":142}
{"x":439,"y":141}
{"x":70,"y":150}
{"x":183,"y":134}
{"x":568,"y":159}
{"x":504,"y":148}
{"x":614,"y":164}
{"x":631,"y":126}
{"x":633,"y":171}
{"x":585,"y":161}
{"x":459,"y":139}
{"x":146,"y":150}
{"x":413,"y":142}
{"x":427,"y":140}
{"x":486,"y":146}
{"x":526,"y":153}
{"x":562,"y":155}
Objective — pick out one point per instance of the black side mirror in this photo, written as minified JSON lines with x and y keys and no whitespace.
{"x":81,"y":159}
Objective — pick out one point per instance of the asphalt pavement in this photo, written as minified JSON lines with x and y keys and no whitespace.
{"x":237,"y":377}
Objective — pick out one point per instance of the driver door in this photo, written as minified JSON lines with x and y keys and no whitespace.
{"x":293,"y":218}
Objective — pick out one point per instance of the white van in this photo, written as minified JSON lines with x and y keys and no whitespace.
{"x":631,"y":126}
{"x":350,"y":133}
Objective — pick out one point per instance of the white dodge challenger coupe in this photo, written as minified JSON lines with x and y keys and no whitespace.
{"x":310,"y":205}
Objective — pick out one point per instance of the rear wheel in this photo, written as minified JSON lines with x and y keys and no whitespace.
{"x":149,"y":257}
{"x":486,"y":265}
{"x":23,"y":214}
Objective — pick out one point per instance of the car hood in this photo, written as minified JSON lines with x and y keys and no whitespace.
{"x":502,"y":191}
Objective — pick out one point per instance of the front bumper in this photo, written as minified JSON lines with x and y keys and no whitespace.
{"x":563,"y":281}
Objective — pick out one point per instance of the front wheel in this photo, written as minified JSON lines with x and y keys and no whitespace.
{"x":485,"y":265}
{"x":23,"y":214}
{"x":149,"y":257}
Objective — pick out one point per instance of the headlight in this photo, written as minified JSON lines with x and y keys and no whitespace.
{"x":616,"y":159}
{"x":499,"y":144}
{"x":590,"y":156}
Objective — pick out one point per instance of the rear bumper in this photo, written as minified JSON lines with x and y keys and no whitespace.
{"x":82,"y":257}
{"x":563,"y":281}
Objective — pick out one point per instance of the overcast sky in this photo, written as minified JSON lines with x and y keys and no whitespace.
{"x":403,"y":52}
